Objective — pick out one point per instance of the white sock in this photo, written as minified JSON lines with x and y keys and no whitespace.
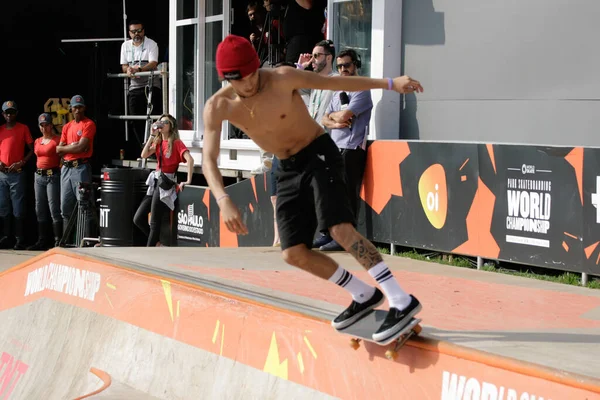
{"x":397,"y":297}
{"x":360,"y":291}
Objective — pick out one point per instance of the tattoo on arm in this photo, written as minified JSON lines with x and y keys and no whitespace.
{"x":366,"y":253}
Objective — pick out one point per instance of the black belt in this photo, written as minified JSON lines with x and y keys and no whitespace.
{"x":15,"y":171}
{"x":76,"y":163}
{"x":47,"y":172}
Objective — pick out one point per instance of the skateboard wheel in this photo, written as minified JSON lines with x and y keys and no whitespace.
{"x":355,"y":343}
{"x":390,"y":355}
{"x":417,"y":329}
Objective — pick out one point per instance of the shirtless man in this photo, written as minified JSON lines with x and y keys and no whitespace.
{"x":311,"y":187}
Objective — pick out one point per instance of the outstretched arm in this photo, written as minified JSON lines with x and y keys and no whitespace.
{"x":210,"y":154}
{"x":309,"y":80}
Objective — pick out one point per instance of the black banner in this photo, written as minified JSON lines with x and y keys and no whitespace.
{"x":533,"y":205}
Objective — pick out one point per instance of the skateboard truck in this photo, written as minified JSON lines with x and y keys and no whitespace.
{"x":413,"y":328}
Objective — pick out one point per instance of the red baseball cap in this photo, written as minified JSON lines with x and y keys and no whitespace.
{"x":236,"y":58}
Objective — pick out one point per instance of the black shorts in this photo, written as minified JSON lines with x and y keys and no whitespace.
{"x":311,"y":193}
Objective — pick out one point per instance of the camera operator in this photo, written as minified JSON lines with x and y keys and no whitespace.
{"x":302,"y":24}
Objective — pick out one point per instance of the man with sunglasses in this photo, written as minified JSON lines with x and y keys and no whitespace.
{"x":140,"y":54}
{"x":311,"y":183}
{"x":14,"y":137}
{"x":347,"y":118}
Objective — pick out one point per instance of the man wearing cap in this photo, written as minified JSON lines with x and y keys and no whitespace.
{"x":14,"y":136}
{"x":76,"y":147}
{"x":311,"y":185}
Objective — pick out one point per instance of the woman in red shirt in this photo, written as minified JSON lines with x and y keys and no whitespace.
{"x":47,"y":185}
{"x":162,"y":183}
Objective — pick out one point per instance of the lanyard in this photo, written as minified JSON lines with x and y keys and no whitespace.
{"x":313,"y":109}
{"x":141,"y":52}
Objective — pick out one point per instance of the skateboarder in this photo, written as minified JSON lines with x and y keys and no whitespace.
{"x":311,"y":188}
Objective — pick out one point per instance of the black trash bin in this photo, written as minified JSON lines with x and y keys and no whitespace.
{"x":122,"y":191}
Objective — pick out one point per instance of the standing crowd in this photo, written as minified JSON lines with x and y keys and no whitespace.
{"x":62,"y":163}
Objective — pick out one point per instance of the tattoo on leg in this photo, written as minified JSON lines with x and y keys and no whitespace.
{"x":366,"y":253}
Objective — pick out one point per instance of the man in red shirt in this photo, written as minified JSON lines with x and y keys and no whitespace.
{"x":76,"y":147}
{"x":14,"y":136}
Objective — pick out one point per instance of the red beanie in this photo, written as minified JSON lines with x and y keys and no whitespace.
{"x":236,"y":58}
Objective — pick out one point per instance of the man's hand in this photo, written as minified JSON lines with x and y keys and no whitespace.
{"x":232,"y":217}
{"x":15,"y":166}
{"x":304,"y":60}
{"x":405,"y":84}
{"x":341,"y":116}
{"x":132,"y":70}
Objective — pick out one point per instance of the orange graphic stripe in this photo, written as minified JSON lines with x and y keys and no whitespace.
{"x":565,"y":246}
{"x":570,"y":235}
{"x":490,"y":149}
{"x":107,"y":381}
{"x":465,"y":163}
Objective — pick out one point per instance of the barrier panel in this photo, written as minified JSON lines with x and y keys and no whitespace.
{"x":535,"y":205}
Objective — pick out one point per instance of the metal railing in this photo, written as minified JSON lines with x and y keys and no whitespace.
{"x":162,"y":71}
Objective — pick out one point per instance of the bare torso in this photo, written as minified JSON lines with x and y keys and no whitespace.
{"x":281,"y":123}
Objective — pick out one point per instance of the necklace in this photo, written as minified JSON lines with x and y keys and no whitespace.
{"x":251,"y":110}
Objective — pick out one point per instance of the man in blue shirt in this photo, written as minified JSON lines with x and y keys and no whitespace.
{"x":347,"y":119}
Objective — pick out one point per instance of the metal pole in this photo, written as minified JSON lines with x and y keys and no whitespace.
{"x":165,"y":88}
{"x":584,"y":279}
{"x":132,"y":117}
{"x":125,"y":81}
{"x":392,"y":249}
{"x":479,"y":262}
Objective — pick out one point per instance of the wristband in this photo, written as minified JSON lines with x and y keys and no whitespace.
{"x":222,"y":197}
{"x":390,"y":83}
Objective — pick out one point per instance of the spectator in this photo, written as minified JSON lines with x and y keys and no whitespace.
{"x":347,"y":119}
{"x":302,"y":26}
{"x":76,"y":147}
{"x":321,"y":61}
{"x":14,"y":136}
{"x":162,"y":182}
{"x":140,"y":54}
{"x":47,"y":185}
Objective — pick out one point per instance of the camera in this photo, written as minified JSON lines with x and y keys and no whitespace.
{"x":158,"y":125}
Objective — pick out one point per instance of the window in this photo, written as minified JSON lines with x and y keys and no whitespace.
{"x":214,"y":7}
{"x":186,"y":76}
{"x":187,"y":9}
{"x":352,"y":23}
{"x":213,"y":36}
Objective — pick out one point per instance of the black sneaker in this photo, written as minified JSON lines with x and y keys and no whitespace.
{"x":357,"y":310}
{"x":396,"y":320}
{"x":322,"y":240}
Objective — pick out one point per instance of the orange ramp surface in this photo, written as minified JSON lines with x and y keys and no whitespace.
{"x":237,"y":323}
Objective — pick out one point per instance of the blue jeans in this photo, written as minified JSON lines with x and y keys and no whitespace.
{"x":69,"y":181}
{"x":47,"y":198}
{"x":12,"y":190}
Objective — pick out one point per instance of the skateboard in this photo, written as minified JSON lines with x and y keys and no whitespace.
{"x":365,"y":327}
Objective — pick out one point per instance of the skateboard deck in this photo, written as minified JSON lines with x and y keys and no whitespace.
{"x":365,"y":327}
